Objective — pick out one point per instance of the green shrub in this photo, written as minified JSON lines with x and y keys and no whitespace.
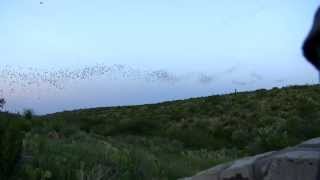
{"x":68,"y":159}
{"x":28,"y":114}
{"x":11,"y":145}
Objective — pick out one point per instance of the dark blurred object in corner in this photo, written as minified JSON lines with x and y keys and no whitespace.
{"x":311,"y":46}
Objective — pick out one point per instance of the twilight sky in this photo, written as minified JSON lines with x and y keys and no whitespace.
{"x":63,"y":55}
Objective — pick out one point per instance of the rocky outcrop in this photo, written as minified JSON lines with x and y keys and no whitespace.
{"x":301,"y":162}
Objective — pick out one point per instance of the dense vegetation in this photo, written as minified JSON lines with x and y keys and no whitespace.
{"x":158,"y":141}
{"x":12,"y":128}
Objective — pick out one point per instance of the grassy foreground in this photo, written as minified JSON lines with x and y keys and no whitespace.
{"x":158,"y":141}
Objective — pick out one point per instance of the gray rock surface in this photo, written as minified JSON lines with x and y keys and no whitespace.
{"x":301,"y":162}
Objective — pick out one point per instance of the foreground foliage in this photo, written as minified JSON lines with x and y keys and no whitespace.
{"x":11,"y":136}
{"x":160,"y":141}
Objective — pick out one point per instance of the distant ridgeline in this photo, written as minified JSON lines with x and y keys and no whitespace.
{"x":169,"y":140}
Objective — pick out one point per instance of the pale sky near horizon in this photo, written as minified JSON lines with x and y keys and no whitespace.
{"x":200,"y":48}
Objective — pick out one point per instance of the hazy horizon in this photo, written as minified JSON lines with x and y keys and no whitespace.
{"x":62,"y":55}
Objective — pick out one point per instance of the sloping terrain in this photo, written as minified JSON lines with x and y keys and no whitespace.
{"x":167,"y":140}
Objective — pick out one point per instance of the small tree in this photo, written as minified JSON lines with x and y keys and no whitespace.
{"x":28,"y":114}
{"x":2,"y":103}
